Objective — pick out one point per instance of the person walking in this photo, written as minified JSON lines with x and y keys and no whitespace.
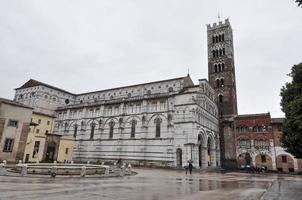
{"x":186,"y":168}
{"x":190,"y":167}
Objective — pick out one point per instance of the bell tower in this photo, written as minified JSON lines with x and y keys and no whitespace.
{"x":221,"y":72}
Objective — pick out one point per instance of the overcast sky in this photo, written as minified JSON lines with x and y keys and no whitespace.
{"x":87,"y":45}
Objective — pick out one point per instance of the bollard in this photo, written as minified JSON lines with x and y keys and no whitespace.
{"x":24,"y":170}
{"x":129,"y":168}
{"x":54,"y":171}
{"x":20,"y":162}
{"x":3,"y":170}
{"x":71,"y":162}
{"x":122,"y":171}
{"x":83,"y":171}
{"x":107,"y":171}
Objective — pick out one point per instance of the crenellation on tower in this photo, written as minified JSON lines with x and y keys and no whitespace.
{"x":220,"y":24}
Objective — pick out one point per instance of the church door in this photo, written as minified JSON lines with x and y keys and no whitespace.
{"x":179,"y":158}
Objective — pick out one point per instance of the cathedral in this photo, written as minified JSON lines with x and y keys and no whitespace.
{"x":160,"y":123}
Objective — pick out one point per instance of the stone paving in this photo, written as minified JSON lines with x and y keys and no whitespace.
{"x":148,"y":184}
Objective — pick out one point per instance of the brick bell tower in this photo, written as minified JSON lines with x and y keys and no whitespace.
{"x":221,"y":71}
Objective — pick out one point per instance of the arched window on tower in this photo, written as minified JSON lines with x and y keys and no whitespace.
{"x":222,"y":37}
{"x":217,"y":53}
{"x":215,"y":68}
{"x":222,"y":82}
{"x":217,"y":82}
{"x":223,"y":51}
{"x":219,"y":67}
{"x":220,"y":98}
{"x":220,"y":52}
{"x":213,"y":52}
{"x":213,"y":39}
{"x":222,"y":67}
{"x":216,"y":38}
{"x":219,"y":38}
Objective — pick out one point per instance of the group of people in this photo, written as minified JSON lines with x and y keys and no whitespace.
{"x":253,"y":169}
{"x":189,"y":167}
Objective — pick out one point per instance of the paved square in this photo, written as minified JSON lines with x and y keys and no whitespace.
{"x":149,"y":184}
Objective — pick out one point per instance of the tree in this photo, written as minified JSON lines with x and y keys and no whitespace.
{"x":299,"y":2}
{"x":291,"y":103}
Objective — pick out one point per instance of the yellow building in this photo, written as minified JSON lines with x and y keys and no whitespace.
{"x":41,"y":125}
{"x":65,"y":149}
{"x":44,"y":146}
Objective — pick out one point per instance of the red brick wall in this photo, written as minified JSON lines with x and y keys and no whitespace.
{"x":251,"y":121}
{"x":299,"y":165}
{"x":277,"y":134}
{"x":284,"y":166}
{"x":268,"y":162}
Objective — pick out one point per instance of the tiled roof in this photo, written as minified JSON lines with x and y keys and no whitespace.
{"x":187,"y":79}
{"x":278,"y":120}
{"x":33,"y":83}
{"x":254,"y":115}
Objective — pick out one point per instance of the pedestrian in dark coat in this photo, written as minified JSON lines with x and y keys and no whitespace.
{"x":190,"y":167}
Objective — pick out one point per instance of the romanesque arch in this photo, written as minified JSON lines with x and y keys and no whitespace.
{"x":179,"y":157}
{"x":285,"y":163}
{"x":264,"y":160}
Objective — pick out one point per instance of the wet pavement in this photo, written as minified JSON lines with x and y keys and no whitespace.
{"x":285,"y":188}
{"x":148,"y":184}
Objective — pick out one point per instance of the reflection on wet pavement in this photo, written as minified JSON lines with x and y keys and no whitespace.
{"x":149,"y":184}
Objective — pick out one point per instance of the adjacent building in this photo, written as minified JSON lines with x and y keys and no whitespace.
{"x":14,"y":127}
{"x":41,"y":125}
{"x":44,"y":146}
{"x":258,"y":143}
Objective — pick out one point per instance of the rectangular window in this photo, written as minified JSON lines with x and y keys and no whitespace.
{"x":92,"y":131}
{"x":48,"y":123}
{"x":263,"y":158}
{"x":284,"y":159}
{"x":46,"y":132}
{"x":13,"y":123}
{"x":111,"y":132}
{"x":75,"y":131}
{"x":133,"y":124}
{"x":66,"y":150}
{"x":37,"y":130}
{"x":8,"y":145}
{"x":36,"y":149}
{"x":39,"y":121}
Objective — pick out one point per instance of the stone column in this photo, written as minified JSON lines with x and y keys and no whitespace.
{"x":213,"y":157}
{"x":204,"y":157}
{"x":83,"y":171}
{"x":218,"y":158}
{"x":295,"y":164}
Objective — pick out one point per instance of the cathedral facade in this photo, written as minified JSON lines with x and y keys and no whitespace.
{"x":162,"y":123}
